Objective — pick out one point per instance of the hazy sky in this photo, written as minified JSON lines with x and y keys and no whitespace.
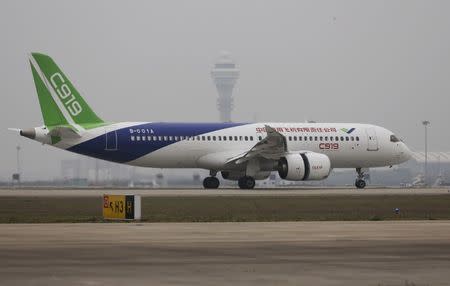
{"x":380,"y":62}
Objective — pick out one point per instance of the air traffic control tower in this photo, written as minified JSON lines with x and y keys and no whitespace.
{"x":225,"y":74}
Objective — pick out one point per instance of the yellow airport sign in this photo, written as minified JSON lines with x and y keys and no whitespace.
{"x":121,"y":207}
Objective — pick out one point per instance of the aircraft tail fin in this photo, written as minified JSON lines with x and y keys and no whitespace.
{"x":60,"y":102}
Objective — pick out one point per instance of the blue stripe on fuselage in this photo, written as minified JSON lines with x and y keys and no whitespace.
{"x":128,"y":150}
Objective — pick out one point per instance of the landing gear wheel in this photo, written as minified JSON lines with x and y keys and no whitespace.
{"x":246,"y":183}
{"x":360,"y":184}
{"x":211,"y":183}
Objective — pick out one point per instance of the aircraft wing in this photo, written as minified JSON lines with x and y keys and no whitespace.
{"x":273,"y":146}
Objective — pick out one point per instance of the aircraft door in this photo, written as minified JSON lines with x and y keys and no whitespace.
{"x":110,"y":139}
{"x":372,"y":140}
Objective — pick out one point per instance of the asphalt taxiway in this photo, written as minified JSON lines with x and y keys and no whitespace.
{"x":267,"y":253}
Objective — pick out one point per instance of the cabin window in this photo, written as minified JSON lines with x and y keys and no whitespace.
{"x":251,"y":138}
{"x":326,"y":138}
{"x":259,"y":138}
{"x":310,"y":138}
{"x":170,"y":138}
{"x":246,"y":138}
{"x":337,"y":138}
{"x":295,"y":138}
{"x":235,"y":138}
{"x":132,"y":138}
{"x":144,"y":138}
{"x":352,"y":138}
{"x":315,"y":138}
{"x":138,"y":138}
{"x":321,"y":138}
{"x":224,"y":138}
{"x":346,"y":138}
{"x":214,"y":138}
{"x":290,"y":138}
{"x":299,"y":138}
{"x":209,"y":138}
{"x":357,"y":138}
{"x":149,"y":138}
{"x":219,"y":138}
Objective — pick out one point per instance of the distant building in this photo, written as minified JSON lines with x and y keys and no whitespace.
{"x":225,"y":74}
{"x":84,"y":170}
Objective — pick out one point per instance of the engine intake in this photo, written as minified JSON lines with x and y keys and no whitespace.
{"x":304,"y":166}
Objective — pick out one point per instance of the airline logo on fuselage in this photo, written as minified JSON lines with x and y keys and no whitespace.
{"x":348,"y":131}
{"x":65,"y":94}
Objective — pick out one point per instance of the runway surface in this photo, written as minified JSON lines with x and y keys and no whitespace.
{"x":222,"y":192}
{"x":282,"y":253}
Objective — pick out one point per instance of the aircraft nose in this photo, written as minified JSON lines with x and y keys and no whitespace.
{"x":405,"y":153}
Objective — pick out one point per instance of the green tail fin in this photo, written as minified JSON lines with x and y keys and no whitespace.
{"x":60,"y":102}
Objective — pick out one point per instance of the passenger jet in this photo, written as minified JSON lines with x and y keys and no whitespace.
{"x":242,"y":152}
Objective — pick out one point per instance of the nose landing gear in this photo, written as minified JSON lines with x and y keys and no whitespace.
{"x":360,"y":183}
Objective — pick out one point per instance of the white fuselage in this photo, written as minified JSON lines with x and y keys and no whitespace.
{"x":168,"y":145}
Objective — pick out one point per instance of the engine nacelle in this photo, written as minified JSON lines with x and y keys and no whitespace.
{"x":304,"y":166}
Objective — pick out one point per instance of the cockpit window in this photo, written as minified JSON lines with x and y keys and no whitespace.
{"x":394,"y":138}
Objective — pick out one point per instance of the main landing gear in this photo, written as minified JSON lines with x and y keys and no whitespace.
{"x":360,"y":183}
{"x":211,"y":182}
{"x":246,"y":182}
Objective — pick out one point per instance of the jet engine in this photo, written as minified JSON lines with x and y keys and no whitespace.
{"x":304,"y":166}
